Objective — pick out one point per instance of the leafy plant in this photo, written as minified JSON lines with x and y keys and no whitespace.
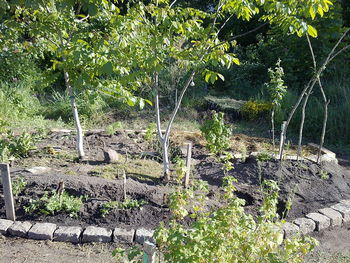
{"x":150,"y":132}
{"x":18,"y":185}
{"x":107,"y":207}
{"x":264,"y":157}
{"x":227,"y":164}
{"x":114,"y":127}
{"x":56,"y":203}
{"x":252,"y":109}
{"x":12,"y":146}
{"x":216,"y":133}
{"x":228,"y":234}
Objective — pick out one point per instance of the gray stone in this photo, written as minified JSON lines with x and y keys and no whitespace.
{"x":143,"y":235}
{"x":345,"y":202}
{"x":42,"y":231}
{"x":344,"y":210}
{"x":97,"y":234}
{"x":68,"y":234}
{"x":4,"y":225}
{"x":322,"y":222}
{"x":38,"y":170}
{"x":335,"y":217}
{"x":111,"y":156}
{"x":290,"y":230}
{"x":122,"y":235}
{"x":305,"y":225}
{"x":325,"y":158}
{"x":19,"y":229}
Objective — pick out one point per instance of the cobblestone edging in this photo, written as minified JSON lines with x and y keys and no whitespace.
{"x":336,"y":215}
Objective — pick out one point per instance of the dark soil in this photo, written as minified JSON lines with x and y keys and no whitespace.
{"x":305,"y":182}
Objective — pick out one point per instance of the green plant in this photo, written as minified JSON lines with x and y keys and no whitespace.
{"x":12,"y":146}
{"x":106,"y":208}
{"x":227,"y":164}
{"x":252,"y":110}
{"x":216,"y":133}
{"x":323,"y":174}
{"x":18,"y":185}
{"x":180,"y":169}
{"x":150,"y":134}
{"x":228,"y":234}
{"x":56,"y":203}
{"x":114,"y":127}
{"x":264,"y":157}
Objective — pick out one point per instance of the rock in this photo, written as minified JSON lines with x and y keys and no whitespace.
{"x":305,"y":225}
{"x":42,"y":231}
{"x":19,"y":229}
{"x":335,"y":217}
{"x":325,"y":158}
{"x":4,"y":225}
{"x":38,"y":170}
{"x":68,"y":234}
{"x":111,"y":156}
{"x":322,"y":222}
{"x":121,"y":235}
{"x":290,"y":230}
{"x":143,"y":235}
{"x":346,"y":202}
{"x":97,"y":234}
{"x":344,"y":210}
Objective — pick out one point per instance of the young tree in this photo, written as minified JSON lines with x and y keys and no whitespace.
{"x":277,"y":91}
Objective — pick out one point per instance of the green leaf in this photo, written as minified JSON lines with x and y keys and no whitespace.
{"x":312,"y":12}
{"x":236,"y":61}
{"x":311,"y":31}
{"x":107,"y":68}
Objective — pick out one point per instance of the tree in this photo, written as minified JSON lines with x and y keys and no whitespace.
{"x":277,"y":91}
{"x":165,"y":33}
{"x":77,"y":35}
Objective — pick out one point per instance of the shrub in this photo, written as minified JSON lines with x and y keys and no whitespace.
{"x":216,"y":133}
{"x":228,"y":234}
{"x":253,"y":110}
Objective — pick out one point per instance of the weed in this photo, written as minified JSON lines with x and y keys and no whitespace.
{"x":150,"y":132}
{"x":54,"y":204}
{"x":107,"y":207}
{"x":18,"y":185}
{"x":12,"y":146}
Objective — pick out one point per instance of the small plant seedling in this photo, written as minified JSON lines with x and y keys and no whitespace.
{"x":264,"y":157}
{"x":324,"y":174}
{"x":114,"y":127}
{"x":18,"y":185}
{"x":150,"y":132}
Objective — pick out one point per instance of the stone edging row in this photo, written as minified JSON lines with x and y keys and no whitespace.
{"x":324,"y":218}
{"x":74,"y":234}
{"x":336,"y":215}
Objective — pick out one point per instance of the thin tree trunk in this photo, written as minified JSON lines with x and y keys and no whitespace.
{"x":325,"y":118}
{"x":302,"y":121}
{"x":273,"y":127}
{"x":79,"y":130}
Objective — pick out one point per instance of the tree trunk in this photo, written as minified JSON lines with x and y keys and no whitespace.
{"x":79,"y":130}
{"x":325,"y":118}
{"x":273,"y":127}
{"x":166,"y":162}
{"x":301,"y":128}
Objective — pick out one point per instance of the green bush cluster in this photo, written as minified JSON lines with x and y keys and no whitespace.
{"x":12,"y":146}
{"x":252,"y":110}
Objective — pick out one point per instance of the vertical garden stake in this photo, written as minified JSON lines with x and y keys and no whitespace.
{"x":283,"y":135}
{"x":7,"y":188}
{"x":124,"y":185}
{"x":188,"y":164}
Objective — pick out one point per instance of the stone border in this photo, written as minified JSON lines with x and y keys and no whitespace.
{"x":324,"y":218}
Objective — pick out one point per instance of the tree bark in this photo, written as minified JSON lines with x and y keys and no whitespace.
{"x":273,"y":127}
{"x":79,"y":130}
{"x":325,"y":118}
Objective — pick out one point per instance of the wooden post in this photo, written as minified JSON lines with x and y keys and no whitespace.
{"x":124,"y":185}
{"x":188,"y":164}
{"x":283,"y":127}
{"x":7,"y":188}
{"x":150,"y":252}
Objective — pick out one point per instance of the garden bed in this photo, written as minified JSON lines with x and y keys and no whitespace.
{"x":98,"y":183}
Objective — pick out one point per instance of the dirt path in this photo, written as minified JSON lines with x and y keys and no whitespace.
{"x":19,"y":250}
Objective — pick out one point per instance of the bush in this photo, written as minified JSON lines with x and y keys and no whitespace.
{"x":229,"y":234}
{"x":216,"y":133}
{"x":253,"y":110}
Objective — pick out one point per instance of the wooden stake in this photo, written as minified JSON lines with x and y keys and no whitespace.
{"x":124,"y":185}
{"x":188,"y":164}
{"x":283,"y":127}
{"x":7,"y":188}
